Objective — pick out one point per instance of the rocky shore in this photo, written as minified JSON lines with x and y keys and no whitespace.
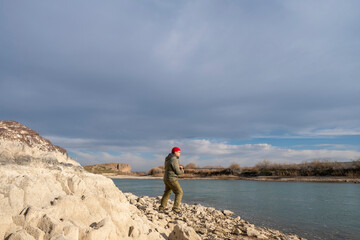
{"x":200,"y":222}
{"x":46,"y":195}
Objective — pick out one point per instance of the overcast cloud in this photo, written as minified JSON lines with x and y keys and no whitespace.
{"x":127,"y":80}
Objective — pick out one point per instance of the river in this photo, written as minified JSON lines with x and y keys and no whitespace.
{"x":312,"y":210}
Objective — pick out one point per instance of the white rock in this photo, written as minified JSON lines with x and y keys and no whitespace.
{"x":20,"y":235}
{"x":262,"y":236}
{"x":183,"y":232}
{"x":142,"y":201}
{"x":237,"y":231}
{"x":227,"y":212}
{"x":78,"y":198}
{"x":61,"y":237}
{"x":252,"y":232}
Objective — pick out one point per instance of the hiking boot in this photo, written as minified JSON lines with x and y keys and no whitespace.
{"x":178,"y":212}
{"x":163,"y":210}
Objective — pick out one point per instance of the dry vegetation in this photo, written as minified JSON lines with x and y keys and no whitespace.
{"x":266,"y":168}
{"x":156,"y":171}
{"x":314,"y":168}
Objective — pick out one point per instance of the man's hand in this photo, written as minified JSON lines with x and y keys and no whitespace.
{"x":181,"y":168}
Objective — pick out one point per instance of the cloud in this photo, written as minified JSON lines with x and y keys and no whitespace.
{"x":205,"y":152}
{"x":122,"y":74}
{"x":72,"y":142}
{"x":333,"y":132}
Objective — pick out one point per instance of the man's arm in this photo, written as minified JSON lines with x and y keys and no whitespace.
{"x":175,"y":166}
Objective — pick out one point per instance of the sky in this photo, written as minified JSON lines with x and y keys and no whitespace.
{"x":226,"y":81}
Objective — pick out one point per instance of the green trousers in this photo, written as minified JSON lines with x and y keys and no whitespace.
{"x":172,"y":186}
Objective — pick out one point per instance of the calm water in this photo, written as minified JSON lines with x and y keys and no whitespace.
{"x":310,"y":210}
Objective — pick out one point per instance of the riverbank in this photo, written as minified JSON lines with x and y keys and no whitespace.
{"x":261,"y":178}
{"x":302,"y":179}
{"x":207,"y":222}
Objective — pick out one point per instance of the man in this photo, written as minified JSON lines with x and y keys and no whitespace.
{"x":172,"y":171}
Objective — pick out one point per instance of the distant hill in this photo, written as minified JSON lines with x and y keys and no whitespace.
{"x":113,"y":168}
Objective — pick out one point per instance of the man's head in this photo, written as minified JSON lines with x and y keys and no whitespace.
{"x":176,"y":151}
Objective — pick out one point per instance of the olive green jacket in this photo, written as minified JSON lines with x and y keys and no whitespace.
{"x":172,"y":170}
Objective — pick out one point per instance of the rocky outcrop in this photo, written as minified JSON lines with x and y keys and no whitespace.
{"x":44,"y":194}
{"x":52,"y":203}
{"x":23,"y":146}
{"x":114,"y":168}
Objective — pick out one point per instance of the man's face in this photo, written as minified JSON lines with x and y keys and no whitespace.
{"x":177,"y":153}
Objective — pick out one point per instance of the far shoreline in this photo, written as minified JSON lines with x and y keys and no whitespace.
{"x":261,"y":178}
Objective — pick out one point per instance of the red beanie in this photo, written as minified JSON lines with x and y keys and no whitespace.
{"x":175,"y":149}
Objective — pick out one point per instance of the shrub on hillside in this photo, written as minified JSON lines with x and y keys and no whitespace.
{"x":213,"y":167}
{"x":191,"y":166}
{"x":156,"y":171}
{"x":264,"y":165}
{"x":356,"y":164}
{"x":235,"y":168}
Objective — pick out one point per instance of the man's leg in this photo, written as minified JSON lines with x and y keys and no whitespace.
{"x":176,"y":188}
{"x":165,"y":197}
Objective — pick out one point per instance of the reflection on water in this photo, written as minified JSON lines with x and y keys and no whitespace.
{"x":310,"y":210}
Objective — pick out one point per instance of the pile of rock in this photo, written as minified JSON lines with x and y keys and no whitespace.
{"x":207,"y":222}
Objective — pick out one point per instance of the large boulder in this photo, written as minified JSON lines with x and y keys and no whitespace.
{"x":183,"y":232}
